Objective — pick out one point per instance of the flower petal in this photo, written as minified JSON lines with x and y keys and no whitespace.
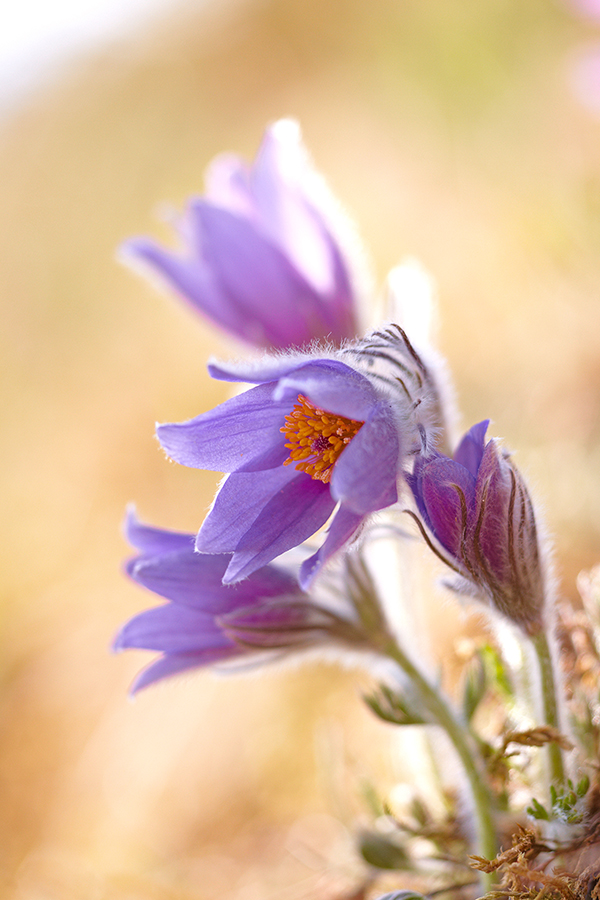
{"x":470,"y":449}
{"x":330,"y":384}
{"x":272,"y":368}
{"x":171,"y":629}
{"x":493,"y":491}
{"x":296,"y":212}
{"x":271,"y":194}
{"x":333,"y":386}
{"x":227,"y":181}
{"x":230,"y":436}
{"x":168,"y":666}
{"x":343,"y":528}
{"x":285,"y":623}
{"x":414,"y":480}
{"x":260,"y":257}
{"x":277,"y":179}
{"x":195,"y":579}
{"x":444,"y":485}
{"x":238,"y":505}
{"x":259,"y":279}
{"x":364,"y":478}
{"x":190,"y":277}
{"x":152,"y":540}
{"x":292,"y":515}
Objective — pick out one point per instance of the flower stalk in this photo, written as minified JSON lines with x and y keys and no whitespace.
{"x":468,"y":753}
{"x":549,"y":703}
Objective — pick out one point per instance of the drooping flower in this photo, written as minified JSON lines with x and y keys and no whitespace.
{"x":314,"y":434}
{"x":260,"y":258}
{"x":478,"y":510}
{"x":206,"y":622}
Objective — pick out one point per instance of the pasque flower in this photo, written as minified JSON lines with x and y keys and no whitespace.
{"x":206,"y":622}
{"x":477,"y":508}
{"x":315,"y":433}
{"x":260,"y":258}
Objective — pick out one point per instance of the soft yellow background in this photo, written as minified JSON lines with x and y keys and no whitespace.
{"x":449,"y":131}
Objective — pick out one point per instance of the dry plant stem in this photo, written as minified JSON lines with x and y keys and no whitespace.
{"x":549,"y":709}
{"x":442,"y":715}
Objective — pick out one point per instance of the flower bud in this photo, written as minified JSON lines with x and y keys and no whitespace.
{"x":478,"y":509}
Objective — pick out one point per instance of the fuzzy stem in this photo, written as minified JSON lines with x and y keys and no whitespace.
{"x":549,"y":705}
{"x":442,"y":714}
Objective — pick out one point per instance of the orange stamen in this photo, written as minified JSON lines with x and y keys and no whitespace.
{"x":316,"y":438}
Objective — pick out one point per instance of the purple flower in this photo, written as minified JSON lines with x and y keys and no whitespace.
{"x":312,"y":435}
{"x":478,"y":509}
{"x":206,"y":622}
{"x":260,"y":258}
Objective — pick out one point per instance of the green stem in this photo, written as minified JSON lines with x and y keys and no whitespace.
{"x":549,"y":709}
{"x":487,"y":843}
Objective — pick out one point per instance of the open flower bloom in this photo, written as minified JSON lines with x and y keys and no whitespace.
{"x":259,"y":257}
{"x":312,"y":435}
{"x":478,"y":509}
{"x":206,"y":622}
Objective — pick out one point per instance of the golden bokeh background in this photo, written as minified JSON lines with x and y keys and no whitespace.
{"x":450,"y":132}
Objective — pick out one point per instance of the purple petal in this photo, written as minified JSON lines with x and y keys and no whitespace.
{"x":238,"y":505}
{"x":168,"y":666}
{"x":272,"y":458}
{"x":185,"y":577}
{"x":227,"y":183}
{"x":279,"y":624}
{"x":414,"y":480}
{"x":287,"y":217}
{"x":259,"y":258}
{"x":333,"y":386}
{"x":330,"y":384}
{"x":152,"y":540}
{"x":195,"y":579}
{"x":192,"y":279}
{"x":171,"y":629}
{"x":285,"y":201}
{"x":272,"y":369}
{"x":494,"y":483}
{"x":291,"y":516}
{"x":470,"y":449}
{"x":445,"y":484}
{"x":258,"y":279}
{"x":231,"y":436}
{"x":343,"y":528}
{"x":364,"y":477}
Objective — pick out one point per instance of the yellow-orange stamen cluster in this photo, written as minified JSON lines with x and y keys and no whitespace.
{"x":316,"y":438}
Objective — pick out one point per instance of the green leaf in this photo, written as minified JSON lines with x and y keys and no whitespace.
{"x":392,"y":707}
{"x":475,"y":686}
{"x":496,"y":671}
{"x":537,"y":811}
{"x":583,"y":786}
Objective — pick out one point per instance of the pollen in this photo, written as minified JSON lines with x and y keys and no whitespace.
{"x":316,"y":438}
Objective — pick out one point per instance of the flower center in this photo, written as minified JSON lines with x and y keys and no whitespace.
{"x":316,"y":438}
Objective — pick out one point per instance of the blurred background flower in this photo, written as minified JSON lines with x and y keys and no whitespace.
{"x":259,"y":234}
{"x":451,"y":134}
